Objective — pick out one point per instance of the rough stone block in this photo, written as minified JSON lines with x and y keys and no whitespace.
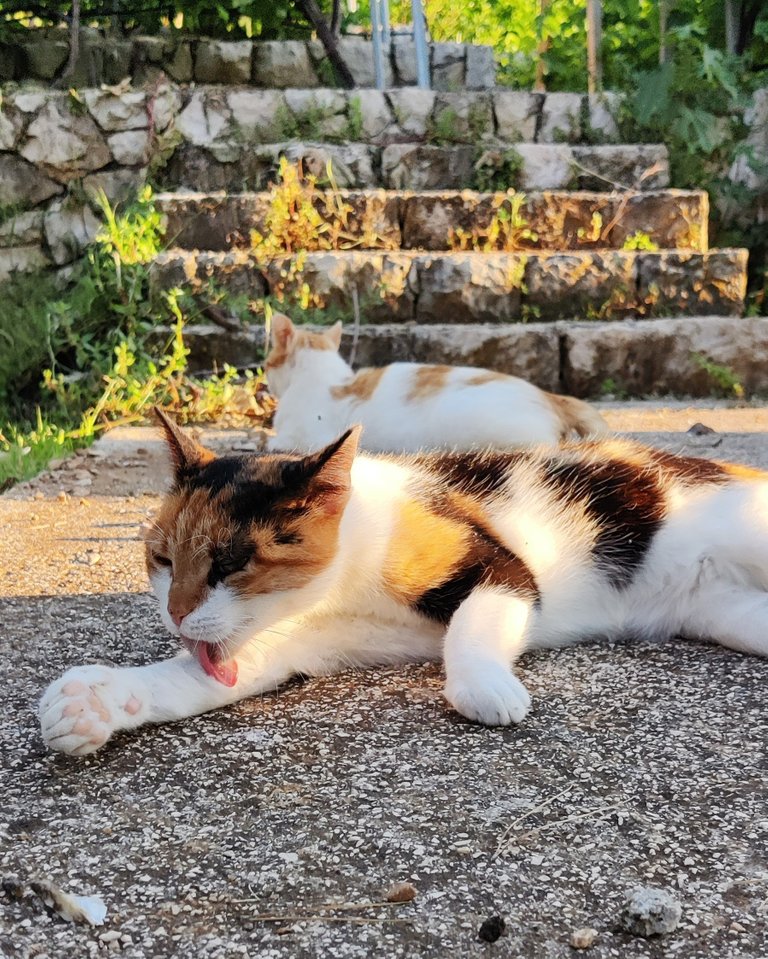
{"x":116,"y":60}
{"x":545,"y":166}
{"x":45,"y":56}
{"x":358,"y":55}
{"x":352,"y":163}
{"x":448,"y":66}
{"x":318,"y":113}
{"x":69,"y":229}
{"x":693,"y":283}
{"x":120,"y":186}
{"x":223,"y":61}
{"x":205,"y":119}
{"x":257,"y":113}
{"x":375,"y":112}
{"x":403,"y":53}
{"x":516,"y":114}
{"x":638,"y":166}
{"x":673,"y":219}
{"x":462,"y":117}
{"x":603,"y":113}
{"x":128,"y":111}
{"x":468,"y":287}
{"x":10,"y":125}
{"x":64,"y":144}
{"x":659,"y":356}
{"x":22,"y":259}
{"x":381,"y":281}
{"x":560,"y":118}
{"x":424,"y":167}
{"x":23,"y":229}
{"x":179,"y":65}
{"x":481,"y":68}
{"x":283,"y":63}
{"x":580,"y":284}
{"x":412,"y":110}
{"x":22,"y":184}
{"x":130,"y":147}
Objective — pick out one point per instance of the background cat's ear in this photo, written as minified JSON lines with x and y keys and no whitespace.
{"x":282,"y":331}
{"x":334,"y":334}
{"x":325,"y":476}
{"x":186,"y":455}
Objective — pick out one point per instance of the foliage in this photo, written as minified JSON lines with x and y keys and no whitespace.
{"x":724,"y":380}
{"x":98,"y":346}
{"x":497,"y":170}
{"x":639,"y":240}
{"x":508,"y":230}
{"x":304,"y":216}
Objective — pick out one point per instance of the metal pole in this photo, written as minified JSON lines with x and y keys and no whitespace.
{"x":378,"y":59}
{"x":386,"y":29}
{"x":594,"y":42}
{"x":420,"y":44}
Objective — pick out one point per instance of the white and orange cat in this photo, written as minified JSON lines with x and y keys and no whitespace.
{"x":406,"y":407}
{"x":270,"y":566}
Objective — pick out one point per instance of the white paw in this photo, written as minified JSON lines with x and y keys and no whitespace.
{"x":80,"y":711}
{"x":490,"y":694}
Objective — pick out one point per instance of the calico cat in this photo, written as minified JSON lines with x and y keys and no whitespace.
{"x":406,"y":407}
{"x":267,"y":566}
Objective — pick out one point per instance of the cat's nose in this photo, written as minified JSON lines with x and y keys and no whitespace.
{"x":177,"y":613}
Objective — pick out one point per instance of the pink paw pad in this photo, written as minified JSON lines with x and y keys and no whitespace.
{"x":82,"y":727}
{"x":132,"y":706}
{"x":74,"y":688}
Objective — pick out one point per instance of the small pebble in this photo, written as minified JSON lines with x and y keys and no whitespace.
{"x":493,"y":928}
{"x":583,"y":938}
{"x":401,"y":892}
{"x":650,"y":912}
{"x":110,"y":936}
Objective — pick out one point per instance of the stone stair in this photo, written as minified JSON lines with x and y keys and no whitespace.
{"x":603,"y":277}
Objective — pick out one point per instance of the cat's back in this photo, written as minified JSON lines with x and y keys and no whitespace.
{"x":412,"y":406}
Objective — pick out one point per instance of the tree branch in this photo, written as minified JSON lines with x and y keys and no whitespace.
{"x":314,"y":14}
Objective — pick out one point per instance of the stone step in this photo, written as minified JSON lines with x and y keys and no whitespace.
{"x":473,"y":287}
{"x":234,"y":165}
{"x":379,"y":219}
{"x":685,"y":356}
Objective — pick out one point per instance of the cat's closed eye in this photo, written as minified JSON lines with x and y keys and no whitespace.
{"x":162,"y":560}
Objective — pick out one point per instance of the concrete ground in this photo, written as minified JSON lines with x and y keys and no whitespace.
{"x":639,"y":765}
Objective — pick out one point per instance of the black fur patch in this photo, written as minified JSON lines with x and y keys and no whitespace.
{"x":478,"y":474}
{"x":229,"y":560}
{"x":690,"y":469}
{"x":626,"y":502}
{"x":486,"y":563}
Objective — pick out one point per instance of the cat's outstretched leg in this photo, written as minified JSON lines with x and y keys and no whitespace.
{"x":485,"y":636}
{"x":80,"y":710}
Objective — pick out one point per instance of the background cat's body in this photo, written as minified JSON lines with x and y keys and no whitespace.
{"x":271,"y":566}
{"x":406,"y":407}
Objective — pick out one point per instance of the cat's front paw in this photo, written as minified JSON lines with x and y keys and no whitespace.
{"x":80,"y":710}
{"x":489,"y":694}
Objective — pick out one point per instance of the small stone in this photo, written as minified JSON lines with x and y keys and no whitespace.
{"x":492,"y":928}
{"x":583,"y":938}
{"x":650,"y":912}
{"x":112,"y":936}
{"x":401,"y":892}
{"x":62,"y":496}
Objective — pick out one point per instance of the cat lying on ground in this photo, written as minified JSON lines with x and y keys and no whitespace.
{"x":406,"y":407}
{"x":269,"y":566}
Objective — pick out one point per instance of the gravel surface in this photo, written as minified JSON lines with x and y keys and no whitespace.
{"x":640,"y":766}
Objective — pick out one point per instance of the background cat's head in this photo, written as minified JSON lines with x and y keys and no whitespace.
{"x":289,"y":343}
{"x":235,"y":530}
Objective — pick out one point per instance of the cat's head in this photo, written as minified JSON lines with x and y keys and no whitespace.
{"x":240,"y":541}
{"x":288,"y":343}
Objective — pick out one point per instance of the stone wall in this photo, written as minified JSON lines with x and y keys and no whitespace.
{"x":275,"y":64}
{"x":59,"y":149}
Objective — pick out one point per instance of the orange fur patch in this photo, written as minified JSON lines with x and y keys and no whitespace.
{"x":743,"y":472}
{"x":428,"y":380}
{"x":486,"y":376}
{"x":362,"y":387}
{"x":302,"y":339}
{"x":424,"y":550}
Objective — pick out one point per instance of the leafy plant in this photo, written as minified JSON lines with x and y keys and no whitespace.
{"x":497,"y":170}
{"x":723,"y":377}
{"x":507,"y":231}
{"x":640,"y":240}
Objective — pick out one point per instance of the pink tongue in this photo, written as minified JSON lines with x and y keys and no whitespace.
{"x":224,"y":672}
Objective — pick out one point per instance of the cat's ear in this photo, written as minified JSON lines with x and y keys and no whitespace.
{"x":325,"y":477}
{"x":282,"y":332}
{"x":187,"y":456}
{"x":334,"y":334}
